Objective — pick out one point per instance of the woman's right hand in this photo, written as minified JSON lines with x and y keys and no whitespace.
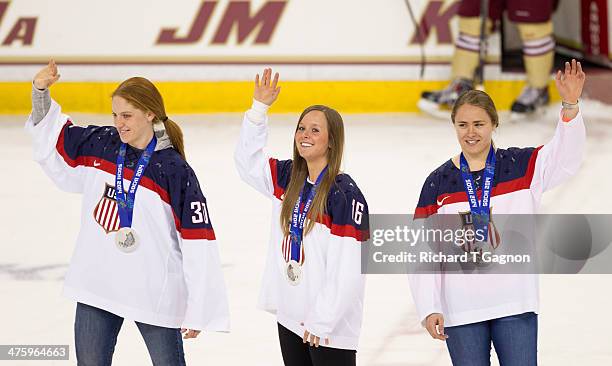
{"x":434,"y":323}
{"x":266,"y":92}
{"x":47,"y":76}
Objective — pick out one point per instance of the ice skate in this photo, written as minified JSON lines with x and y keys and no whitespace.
{"x":440,"y":103}
{"x":530,"y":102}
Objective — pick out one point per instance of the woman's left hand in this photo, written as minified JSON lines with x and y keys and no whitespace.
{"x":570,"y":82}
{"x":312,"y":339}
{"x":189,"y":333}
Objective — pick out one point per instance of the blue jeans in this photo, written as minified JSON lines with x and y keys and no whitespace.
{"x":514,"y":337}
{"x":95,"y":336}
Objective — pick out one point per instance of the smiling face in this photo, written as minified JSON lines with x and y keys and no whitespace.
{"x":474,"y":130}
{"x":312,"y":137}
{"x":135,"y":127}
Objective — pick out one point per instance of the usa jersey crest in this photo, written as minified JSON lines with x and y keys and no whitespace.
{"x":467,"y":223}
{"x":105,"y":213}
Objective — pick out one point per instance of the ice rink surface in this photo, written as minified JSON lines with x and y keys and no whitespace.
{"x":388,"y":155}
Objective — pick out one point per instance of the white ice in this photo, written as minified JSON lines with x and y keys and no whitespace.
{"x":388,"y":155}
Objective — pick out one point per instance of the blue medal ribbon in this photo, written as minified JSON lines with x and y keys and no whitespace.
{"x":125,"y":201}
{"x":298,"y":218}
{"x":480,"y":209}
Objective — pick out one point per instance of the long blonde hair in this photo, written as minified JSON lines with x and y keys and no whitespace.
{"x":299,"y":171}
{"x":143,"y":95}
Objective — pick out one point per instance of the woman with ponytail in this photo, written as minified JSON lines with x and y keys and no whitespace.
{"x":145,"y":254}
{"x":312,"y":280}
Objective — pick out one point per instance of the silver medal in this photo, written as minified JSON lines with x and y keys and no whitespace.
{"x":126,"y":240}
{"x":294,"y":272}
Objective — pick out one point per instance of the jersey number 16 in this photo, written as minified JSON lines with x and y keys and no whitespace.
{"x":357,"y":211}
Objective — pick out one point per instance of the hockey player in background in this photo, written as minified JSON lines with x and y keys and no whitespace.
{"x":147,"y":255}
{"x":533,"y":19}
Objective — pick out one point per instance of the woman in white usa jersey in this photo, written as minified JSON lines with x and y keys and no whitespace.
{"x":471,"y":311}
{"x":312,"y":279}
{"x":145,"y":254}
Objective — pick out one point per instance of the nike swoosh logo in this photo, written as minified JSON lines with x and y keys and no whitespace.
{"x":95,"y":163}
{"x":442,"y":201}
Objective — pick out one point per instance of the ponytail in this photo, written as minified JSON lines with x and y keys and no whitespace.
{"x":176,"y":136}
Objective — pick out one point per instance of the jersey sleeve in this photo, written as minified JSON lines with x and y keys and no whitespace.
{"x":426,"y":293}
{"x":207,"y":305}
{"x":267,"y":175}
{"x":426,"y":287}
{"x":61,"y":148}
{"x":560,"y":158}
{"x":345,"y":283}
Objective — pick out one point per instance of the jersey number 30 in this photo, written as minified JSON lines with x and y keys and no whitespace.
{"x":200,"y":211}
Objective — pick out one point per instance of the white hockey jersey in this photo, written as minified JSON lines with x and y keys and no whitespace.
{"x":522,"y":175}
{"x":174,"y":278}
{"x":329,"y":297}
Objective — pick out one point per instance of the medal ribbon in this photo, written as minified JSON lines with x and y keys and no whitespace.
{"x":298,"y":217}
{"x":125,"y":202}
{"x":480,"y":209}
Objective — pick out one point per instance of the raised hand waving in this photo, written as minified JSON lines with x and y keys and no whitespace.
{"x":266,"y":90}
{"x":570,"y":82}
{"x":47,"y":76}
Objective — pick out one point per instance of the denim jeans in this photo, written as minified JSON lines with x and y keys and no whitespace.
{"x":95,"y":336}
{"x":514,"y":337}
